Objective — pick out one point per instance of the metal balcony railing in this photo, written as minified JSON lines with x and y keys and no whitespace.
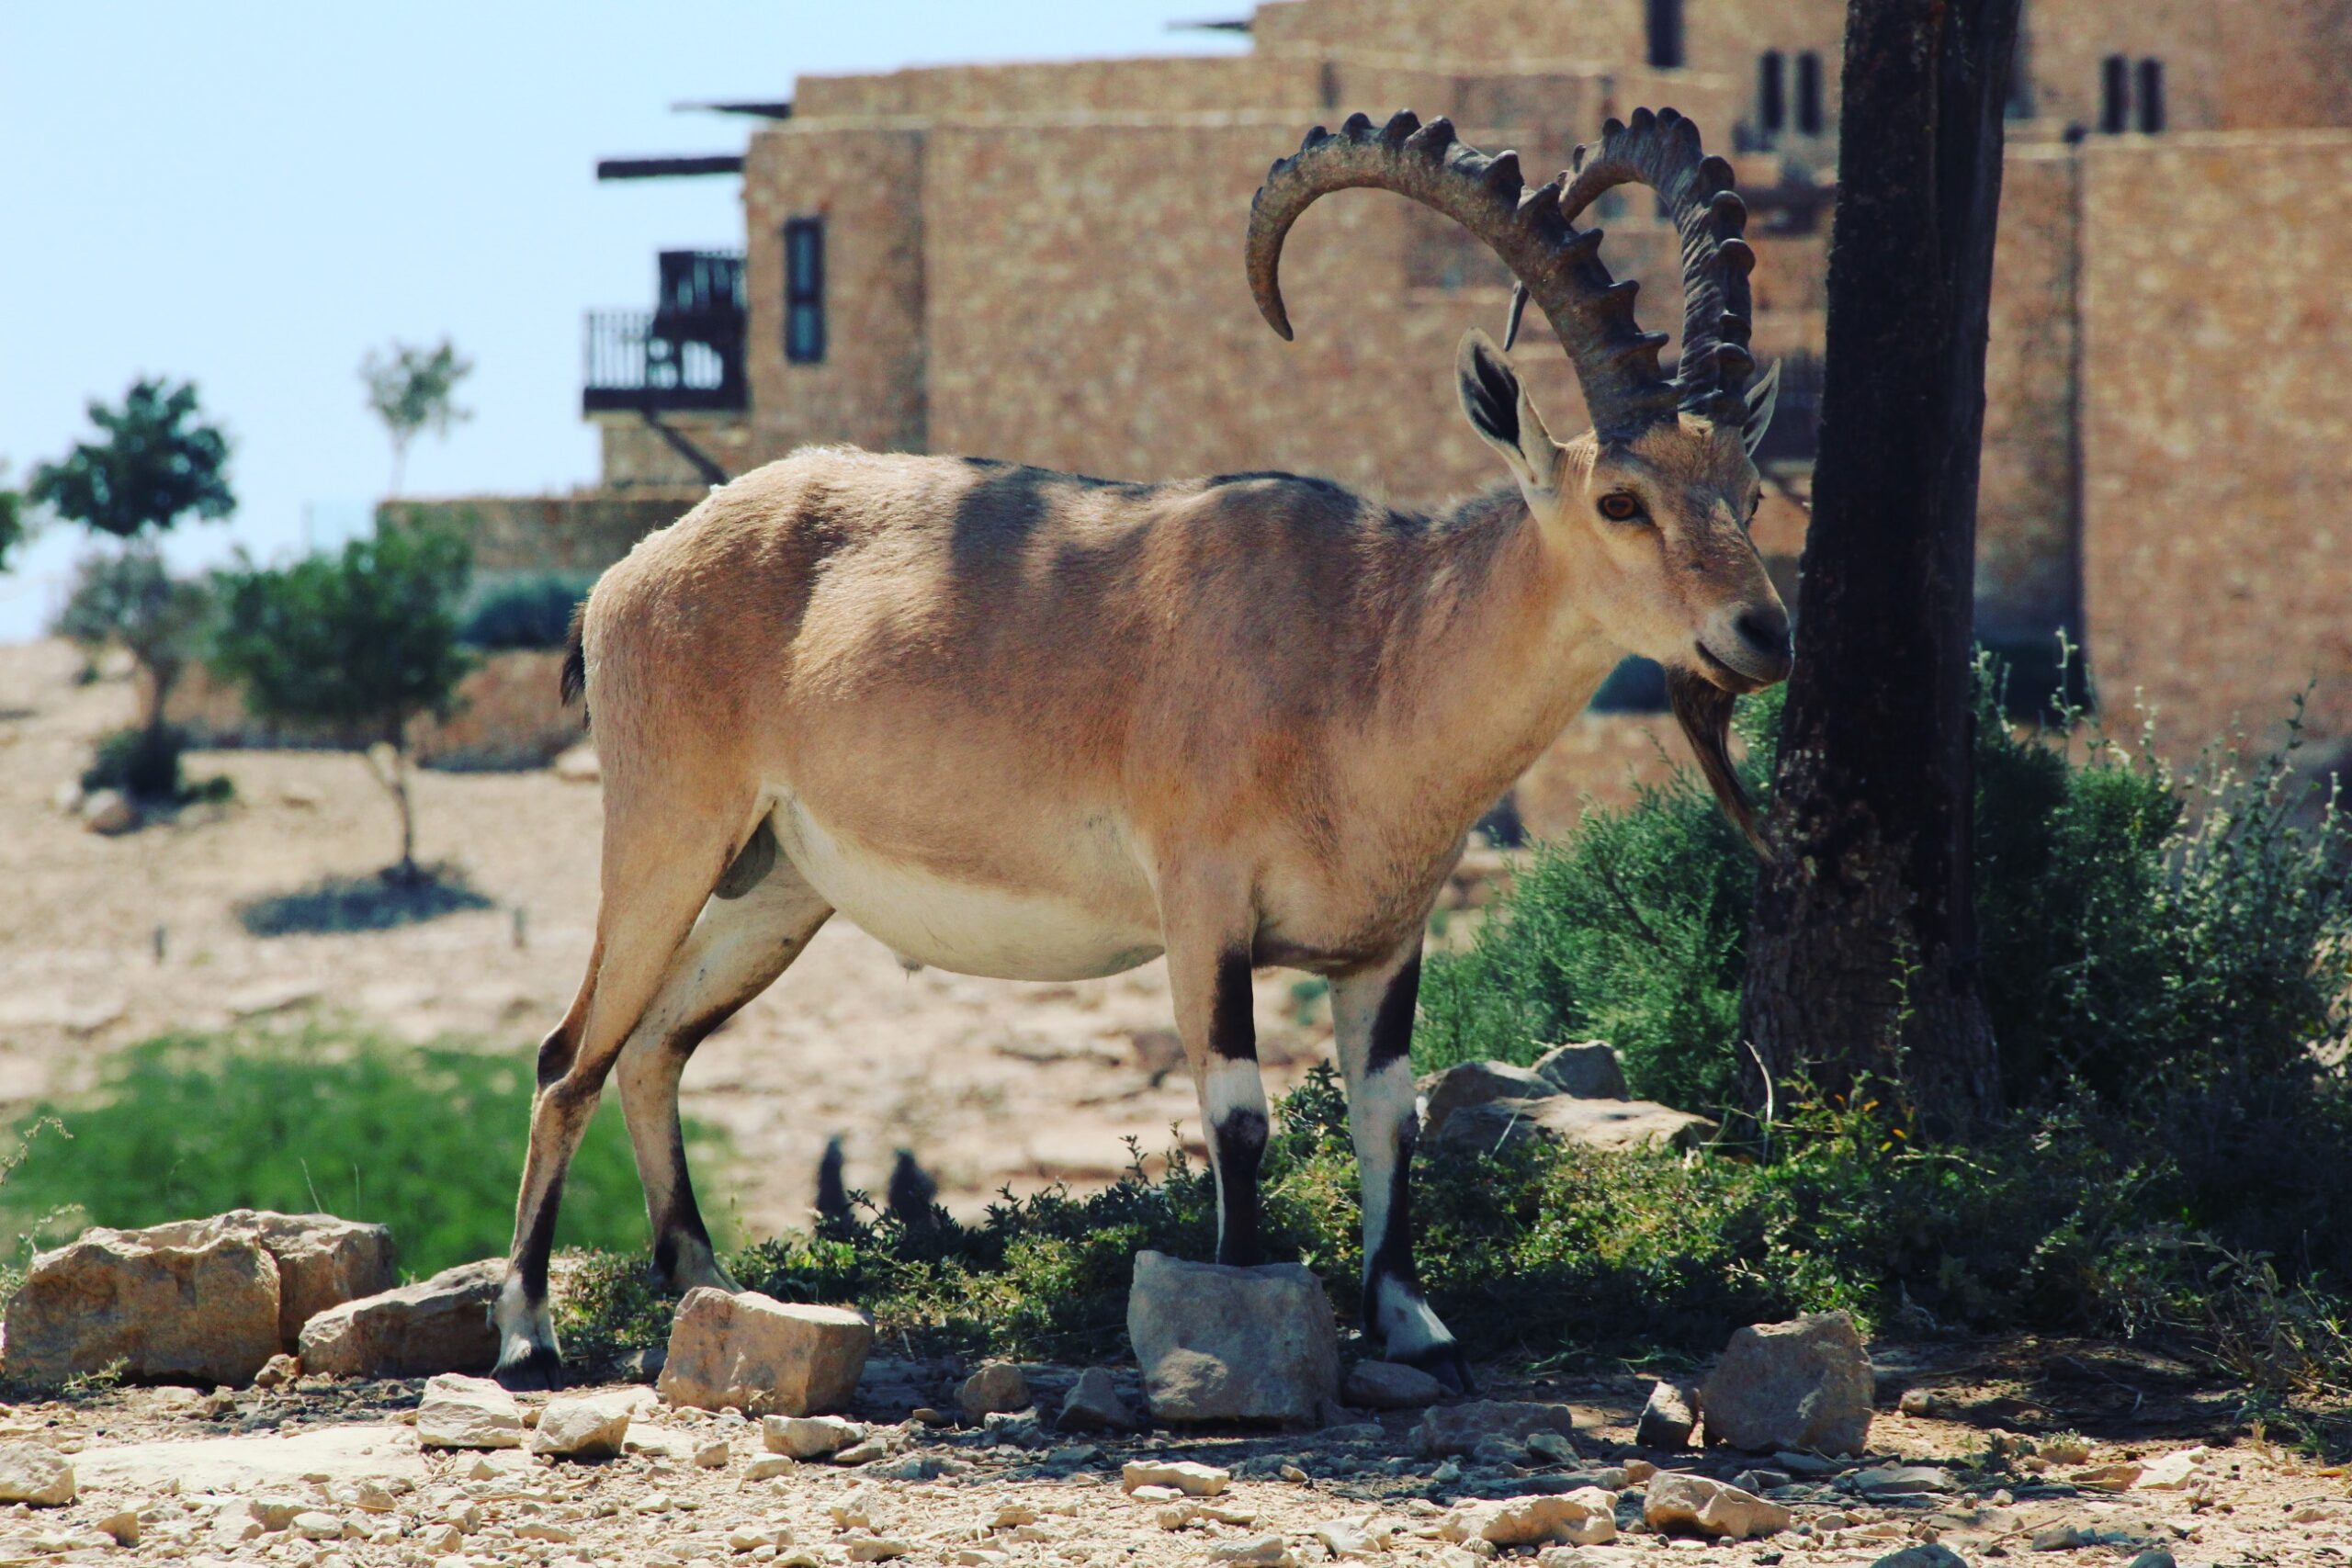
{"x":686,"y":354}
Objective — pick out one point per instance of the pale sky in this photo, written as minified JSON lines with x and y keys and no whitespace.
{"x":252,"y":196}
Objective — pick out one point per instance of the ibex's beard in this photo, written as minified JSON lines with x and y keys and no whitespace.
{"x":1703,"y":709}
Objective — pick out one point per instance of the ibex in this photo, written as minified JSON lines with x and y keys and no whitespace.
{"x":1036,"y":726}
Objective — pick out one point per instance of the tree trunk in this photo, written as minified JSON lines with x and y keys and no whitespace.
{"x":1862,"y":969}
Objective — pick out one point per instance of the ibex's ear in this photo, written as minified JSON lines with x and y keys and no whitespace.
{"x":1762,"y":398}
{"x":1502,"y":413}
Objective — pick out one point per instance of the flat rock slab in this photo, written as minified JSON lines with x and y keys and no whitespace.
{"x":440,"y":1325}
{"x":1804,"y":1384}
{"x":379,"y":1450}
{"x":764,"y":1356}
{"x":1218,"y":1343}
{"x":1564,"y":1120}
{"x":1458,"y":1429}
{"x":206,"y":1310}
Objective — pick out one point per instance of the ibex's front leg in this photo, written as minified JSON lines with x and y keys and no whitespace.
{"x":1208,"y":975}
{"x":1372,"y":1015}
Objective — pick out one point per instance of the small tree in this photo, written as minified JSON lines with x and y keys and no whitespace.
{"x":360,"y":642}
{"x":15,"y":526}
{"x":414,"y":390}
{"x":129,"y":599}
{"x":156,"y":464}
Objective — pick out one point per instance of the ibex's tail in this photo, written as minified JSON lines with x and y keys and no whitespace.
{"x":575,"y":684}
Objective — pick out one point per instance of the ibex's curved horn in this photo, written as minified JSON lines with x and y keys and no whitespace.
{"x":1662,"y":151}
{"x":1558,"y":264}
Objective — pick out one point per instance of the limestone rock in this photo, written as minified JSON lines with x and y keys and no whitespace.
{"x":1802,"y":1385}
{"x":1586,"y":1516}
{"x":1191,"y":1479}
{"x":1459,"y":1428}
{"x":206,"y":1311}
{"x":1928,"y":1554}
{"x":460,"y":1412}
{"x":1449,"y":1089}
{"x":107,"y":811}
{"x":1670,"y":1416}
{"x":1218,"y":1343}
{"x":996,"y":1387}
{"x":587,"y":1426}
{"x":809,"y":1436}
{"x":762,"y":1355}
{"x":322,"y":1261}
{"x":1589,"y":1071}
{"x":1693,"y":1503}
{"x":33,"y":1473}
{"x":1562,"y":1120}
{"x":1390,"y":1385}
{"x":1094,"y":1405}
{"x":1904,"y":1481}
{"x":440,"y":1325}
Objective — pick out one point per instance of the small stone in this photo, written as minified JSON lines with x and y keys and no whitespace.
{"x":2113,"y":1477}
{"x":1155,"y":1493}
{"x":438,"y":1325}
{"x":1390,"y":1385}
{"x":1343,"y":1539}
{"x":980,"y":1557}
{"x":30,"y":1472}
{"x":1916,"y":1402}
{"x":1094,"y":1405}
{"x":1639,"y":1471}
{"x":1588,"y":1071}
{"x":809,"y":1436}
{"x":1458,"y":1429}
{"x":1678,"y":1502}
{"x":1258,"y":1552}
{"x":122,"y":1526}
{"x":2064,"y":1449}
{"x":712,"y":1453}
{"x":460,"y":1412}
{"x":498,"y":1462}
{"x":2170,"y":1472}
{"x":762,"y":1355}
{"x":545,"y":1530}
{"x":585,"y":1426}
{"x":997,"y":1386}
{"x":1904,"y":1480}
{"x":876,"y":1549}
{"x":1552,"y":1447}
{"x":1928,"y":1555}
{"x":279,"y":1371}
{"x":865,"y":1452}
{"x":767,"y":1467}
{"x":315,"y":1525}
{"x":441,"y":1539}
{"x":1218,"y":1343}
{"x":1806,"y":1465}
{"x":2155,"y":1557}
{"x":107,"y":811}
{"x":1190,"y":1479}
{"x":1669,"y":1417}
{"x":2062,"y":1537}
{"x":1802,"y":1385}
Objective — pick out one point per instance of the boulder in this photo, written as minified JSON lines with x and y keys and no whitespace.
{"x":1094,"y":1405}
{"x":322,"y":1261}
{"x":1804,"y":1384}
{"x":1589,"y":1071}
{"x":460,"y":1412}
{"x":588,"y":1426}
{"x":205,"y":1311}
{"x":1669,"y":1417}
{"x":1688,"y":1504}
{"x":1560,"y":1119}
{"x":33,"y":1473}
{"x":440,"y":1325}
{"x":1586,"y":1516}
{"x":1459,"y":1428}
{"x":1219,"y":1343}
{"x":1449,"y":1089}
{"x":762,"y":1356}
{"x":997,"y":1387}
{"x":1390,"y":1385}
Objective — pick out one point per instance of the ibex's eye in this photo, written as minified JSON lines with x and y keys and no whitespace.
{"x":1619,"y":506}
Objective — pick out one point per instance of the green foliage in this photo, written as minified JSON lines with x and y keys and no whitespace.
{"x":362,"y":641}
{"x":143,"y":762}
{"x":155,"y":465}
{"x":427,"y":1139}
{"x":526,"y":612}
{"x":413,"y":389}
{"x":16,"y":525}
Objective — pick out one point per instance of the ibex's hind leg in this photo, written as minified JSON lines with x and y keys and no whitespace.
{"x":1371,"y":1016}
{"x":739,"y":946}
{"x":655,"y":880}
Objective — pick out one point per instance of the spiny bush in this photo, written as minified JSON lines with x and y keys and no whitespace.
{"x":426,"y":1139}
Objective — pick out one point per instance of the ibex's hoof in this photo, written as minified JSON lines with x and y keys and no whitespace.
{"x":529,"y":1369}
{"x":1445,"y":1362}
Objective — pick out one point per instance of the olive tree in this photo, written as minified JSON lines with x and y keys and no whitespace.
{"x":413,"y":389}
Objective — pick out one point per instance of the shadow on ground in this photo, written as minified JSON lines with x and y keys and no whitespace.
{"x":372,"y":903}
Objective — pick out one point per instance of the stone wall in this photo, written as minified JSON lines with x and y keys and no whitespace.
{"x":583,"y":532}
{"x":2218,"y":427}
{"x":507,"y":717}
{"x":635,"y":459}
{"x":2228,"y":64}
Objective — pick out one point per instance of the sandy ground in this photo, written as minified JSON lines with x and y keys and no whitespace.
{"x":989,"y":1082}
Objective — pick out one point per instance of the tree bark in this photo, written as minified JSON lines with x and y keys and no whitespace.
{"x":1863,"y":969}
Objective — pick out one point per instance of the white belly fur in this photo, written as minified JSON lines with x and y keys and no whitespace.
{"x":968,"y":929}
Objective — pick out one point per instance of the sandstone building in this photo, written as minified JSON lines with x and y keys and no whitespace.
{"x":1043,"y":263}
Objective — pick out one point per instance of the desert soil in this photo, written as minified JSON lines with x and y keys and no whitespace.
{"x":991,"y":1083}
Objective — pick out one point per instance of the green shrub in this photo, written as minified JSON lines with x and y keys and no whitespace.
{"x":144,"y":764}
{"x":525,"y":612}
{"x":426,"y":1139}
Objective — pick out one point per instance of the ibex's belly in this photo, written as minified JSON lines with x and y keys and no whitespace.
{"x":1041,"y":932}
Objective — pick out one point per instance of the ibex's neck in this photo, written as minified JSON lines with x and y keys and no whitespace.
{"x":1492,"y":653}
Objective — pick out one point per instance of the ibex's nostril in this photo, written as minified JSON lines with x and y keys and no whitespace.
{"x":1766,"y":631}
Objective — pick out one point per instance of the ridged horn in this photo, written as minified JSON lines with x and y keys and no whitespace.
{"x":1558,"y":265}
{"x":1662,"y":151}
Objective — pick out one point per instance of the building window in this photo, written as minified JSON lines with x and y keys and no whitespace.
{"x":1772,"y":92}
{"x":1809,"y":120}
{"x":2114,"y":95}
{"x":804,"y":290}
{"x":2151,"y":95}
{"x":1666,"y":34}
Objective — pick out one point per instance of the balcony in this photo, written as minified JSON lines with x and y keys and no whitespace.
{"x":684,"y":355}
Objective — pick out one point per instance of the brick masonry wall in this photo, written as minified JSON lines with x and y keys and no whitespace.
{"x":634,"y":457}
{"x":2218,"y":428}
{"x":2229,"y":64}
{"x":586,"y":532}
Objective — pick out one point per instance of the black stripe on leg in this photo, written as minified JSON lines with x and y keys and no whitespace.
{"x":1240,"y":1149}
{"x":1392,"y":1027}
{"x":1391,"y":1257}
{"x":538,"y":1244}
{"x":1233,"y":1033}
